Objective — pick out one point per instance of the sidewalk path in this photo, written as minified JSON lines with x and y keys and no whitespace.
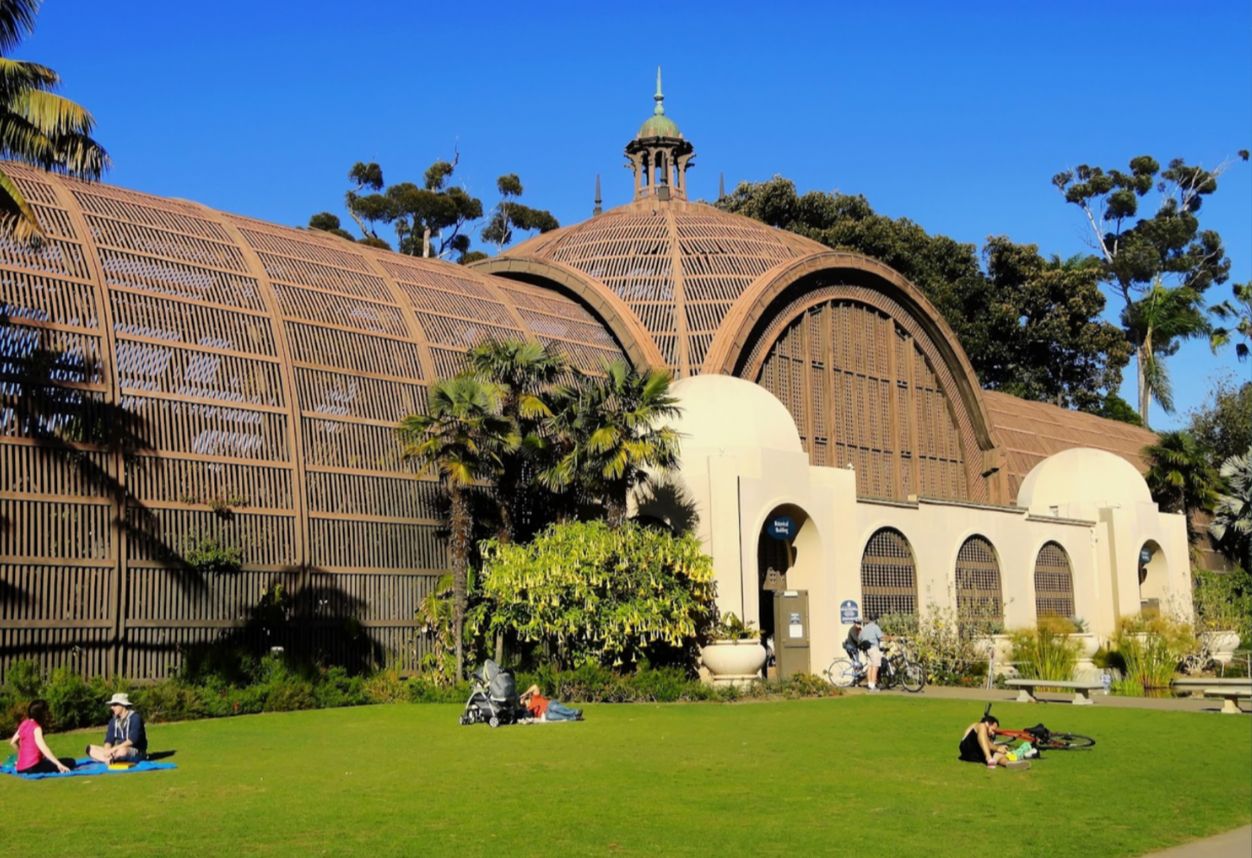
{"x":1001,"y":695}
{"x":1232,"y":844}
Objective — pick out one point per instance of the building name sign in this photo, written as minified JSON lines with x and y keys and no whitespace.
{"x":781,"y":527}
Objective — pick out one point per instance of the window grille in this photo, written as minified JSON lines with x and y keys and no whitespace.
{"x":979,"y":602}
{"x":888,"y":576}
{"x":1054,"y":583}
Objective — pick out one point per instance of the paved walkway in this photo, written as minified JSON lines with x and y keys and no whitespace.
{"x":1003,"y":695}
{"x":1232,"y":844}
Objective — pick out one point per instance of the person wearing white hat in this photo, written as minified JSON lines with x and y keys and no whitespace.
{"x":125,"y":739}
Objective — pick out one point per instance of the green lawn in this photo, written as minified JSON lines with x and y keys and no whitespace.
{"x":874,"y":774}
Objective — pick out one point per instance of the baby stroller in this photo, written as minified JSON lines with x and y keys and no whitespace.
{"x":494,"y":698}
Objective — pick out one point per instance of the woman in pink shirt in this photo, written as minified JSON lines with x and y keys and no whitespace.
{"x":33,"y":755}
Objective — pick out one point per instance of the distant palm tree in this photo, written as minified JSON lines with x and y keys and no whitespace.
{"x":461,"y":440}
{"x":1180,"y":475}
{"x":614,"y":431}
{"x":524,"y":371}
{"x":36,"y":126}
{"x":1162,"y":319}
{"x":1232,"y":515}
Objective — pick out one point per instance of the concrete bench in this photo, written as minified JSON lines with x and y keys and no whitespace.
{"x":1026,"y":689}
{"x":1231,"y":695}
{"x":1211,"y":682}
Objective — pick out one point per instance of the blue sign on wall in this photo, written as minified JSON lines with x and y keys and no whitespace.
{"x":781,"y":527}
{"x":848,"y":612}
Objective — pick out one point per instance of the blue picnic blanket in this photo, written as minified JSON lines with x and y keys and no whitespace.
{"x":85,"y":766}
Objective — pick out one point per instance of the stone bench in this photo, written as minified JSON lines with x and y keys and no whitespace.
{"x":1231,"y":694}
{"x":1082,"y":689}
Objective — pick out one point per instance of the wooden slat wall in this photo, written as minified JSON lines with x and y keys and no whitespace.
{"x":222,"y":378}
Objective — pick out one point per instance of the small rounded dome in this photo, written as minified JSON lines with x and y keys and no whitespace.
{"x":728,"y":412}
{"x":659,"y":125}
{"x":1082,"y":475}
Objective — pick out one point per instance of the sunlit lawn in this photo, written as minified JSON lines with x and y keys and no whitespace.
{"x":802,"y":777}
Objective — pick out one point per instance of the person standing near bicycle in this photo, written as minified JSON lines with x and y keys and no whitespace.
{"x":871,"y":638}
{"x":852,"y":643}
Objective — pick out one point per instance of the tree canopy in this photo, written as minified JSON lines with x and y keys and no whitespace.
{"x":1029,"y":325}
{"x":37,"y":127}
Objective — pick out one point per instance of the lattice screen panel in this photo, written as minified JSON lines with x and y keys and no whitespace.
{"x":979,"y":596}
{"x":1054,"y":583}
{"x":679,"y":267}
{"x":888,"y":576}
{"x":864,"y":395}
{"x":171,"y":375}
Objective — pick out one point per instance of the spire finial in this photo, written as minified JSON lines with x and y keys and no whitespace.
{"x":721,"y":186}
{"x":598,"y":207}
{"x":659,"y":97}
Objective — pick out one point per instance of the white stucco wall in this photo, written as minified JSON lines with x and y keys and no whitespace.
{"x":742,"y":460}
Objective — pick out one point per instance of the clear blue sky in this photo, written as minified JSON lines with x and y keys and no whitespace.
{"x":955,"y":115}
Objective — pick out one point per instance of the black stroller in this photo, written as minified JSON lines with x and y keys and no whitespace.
{"x":494,"y":698}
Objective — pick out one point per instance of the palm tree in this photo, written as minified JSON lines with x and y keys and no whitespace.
{"x":1232,"y":516}
{"x":614,"y":433}
{"x":1159,"y":322}
{"x":1180,"y":476}
{"x":461,"y":440}
{"x":524,"y":371}
{"x":36,"y":126}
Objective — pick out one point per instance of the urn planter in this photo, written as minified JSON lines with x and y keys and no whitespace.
{"x":733,"y":662}
{"x":1221,"y":643}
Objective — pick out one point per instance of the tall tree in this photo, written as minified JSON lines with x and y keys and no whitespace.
{"x":524,"y":372}
{"x":510,"y":215}
{"x":1224,"y":426}
{"x":37,"y":126}
{"x":615,"y":432}
{"x":1166,"y":249}
{"x":1161,"y":320}
{"x":1237,"y":312}
{"x":1029,"y":326}
{"x":369,"y":209}
{"x":460,"y":439}
{"x":1180,"y":476}
{"x":1232,"y":518}
{"x":327,"y":222}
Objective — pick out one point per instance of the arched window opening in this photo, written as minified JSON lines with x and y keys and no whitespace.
{"x":979,"y":598}
{"x":1054,"y":583}
{"x":889,"y":579}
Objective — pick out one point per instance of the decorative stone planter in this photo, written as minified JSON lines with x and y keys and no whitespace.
{"x":733,"y":662}
{"x":1222,"y":644}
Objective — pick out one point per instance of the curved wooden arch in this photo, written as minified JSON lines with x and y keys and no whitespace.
{"x":612,"y":311}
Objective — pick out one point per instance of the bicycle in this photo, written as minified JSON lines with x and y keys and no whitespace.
{"x":897,"y":669}
{"x":1044,"y":739}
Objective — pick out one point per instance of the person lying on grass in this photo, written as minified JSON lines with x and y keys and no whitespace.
{"x":547,"y":710}
{"x":125,"y":739}
{"x":978,"y":745}
{"x":33,"y":755}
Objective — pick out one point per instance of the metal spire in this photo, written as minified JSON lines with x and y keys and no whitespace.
{"x":721,"y":186}
{"x":659,"y":110}
{"x":598,"y":208}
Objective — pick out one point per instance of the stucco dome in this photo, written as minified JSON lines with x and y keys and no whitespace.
{"x":727,"y":412}
{"x":1082,"y":475}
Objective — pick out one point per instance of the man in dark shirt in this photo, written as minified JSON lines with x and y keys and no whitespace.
{"x":125,"y":739}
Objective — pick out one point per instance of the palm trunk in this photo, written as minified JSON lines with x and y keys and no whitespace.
{"x":1144,"y":390}
{"x":460,"y":564}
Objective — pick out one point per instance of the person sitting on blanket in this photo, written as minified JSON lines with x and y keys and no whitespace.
{"x":33,"y":755}
{"x":978,"y":745}
{"x":547,"y":710}
{"x":125,"y":739}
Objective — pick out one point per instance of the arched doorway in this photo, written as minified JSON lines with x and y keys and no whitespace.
{"x":786,"y":558}
{"x":1153,"y":573}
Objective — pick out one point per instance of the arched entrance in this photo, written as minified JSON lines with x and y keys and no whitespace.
{"x":788,"y":561}
{"x":1153,"y":573}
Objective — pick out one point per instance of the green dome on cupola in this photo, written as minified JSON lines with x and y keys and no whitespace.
{"x":658,"y":124}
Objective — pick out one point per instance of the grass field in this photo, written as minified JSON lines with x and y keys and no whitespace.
{"x":859,"y":773}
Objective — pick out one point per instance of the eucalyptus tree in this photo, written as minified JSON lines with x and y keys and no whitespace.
{"x":510,"y":215}
{"x":614,"y":430}
{"x":1164,"y":256}
{"x":37,"y":126}
{"x":461,"y":440}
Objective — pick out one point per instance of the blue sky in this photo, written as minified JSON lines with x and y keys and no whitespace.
{"x":955,"y":115}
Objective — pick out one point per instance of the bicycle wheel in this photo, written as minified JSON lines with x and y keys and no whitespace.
{"x":912,"y":676}
{"x":1066,"y":742}
{"x":841,"y":673}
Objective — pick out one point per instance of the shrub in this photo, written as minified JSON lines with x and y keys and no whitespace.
{"x":595,"y":595}
{"x":1045,"y":652}
{"x":949,"y":648}
{"x":74,"y":701}
{"x":208,"y":556}
{"x":808,"y":685}
{"x":1150,"y":649}
{"x":1223,"y":601}
{"x":25,"y":678}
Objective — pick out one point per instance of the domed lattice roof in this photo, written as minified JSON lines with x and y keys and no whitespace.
{"x":678,"y":266}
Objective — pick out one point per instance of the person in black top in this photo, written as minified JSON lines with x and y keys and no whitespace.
{"x":852,"y":643}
